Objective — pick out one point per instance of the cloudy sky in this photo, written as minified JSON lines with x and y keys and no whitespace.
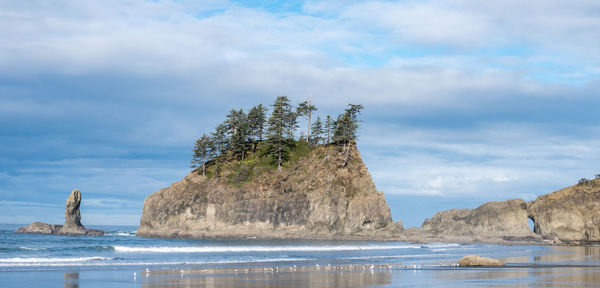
{"x":465,"y":101}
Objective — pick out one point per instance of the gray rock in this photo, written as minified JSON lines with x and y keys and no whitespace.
{"x":39,"y":228}
{"x":72,"y":226}
{"x":321,"y":197}
{"x":72,"y":214}
{"x":569,"y":214}
{"x":501,"y":218}
{"x":474,"y":260}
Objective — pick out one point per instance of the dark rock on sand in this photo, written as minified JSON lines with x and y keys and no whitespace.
{"x":72,"y":224}
{"x":474,"y":260}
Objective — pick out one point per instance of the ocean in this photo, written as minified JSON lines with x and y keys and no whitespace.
{"x":121,"y":259}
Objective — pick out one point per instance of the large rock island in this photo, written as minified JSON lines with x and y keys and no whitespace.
{"x":72,"y":225}
{"x":325,"y":194}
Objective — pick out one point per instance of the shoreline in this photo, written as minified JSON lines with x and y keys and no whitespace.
{"x":311,"y":275}
{"x":418,"y":238}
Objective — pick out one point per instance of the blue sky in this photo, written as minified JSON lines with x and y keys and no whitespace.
{"x":465,"y":101}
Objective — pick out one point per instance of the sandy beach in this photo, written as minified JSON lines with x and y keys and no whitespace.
{"x":293,"y":275}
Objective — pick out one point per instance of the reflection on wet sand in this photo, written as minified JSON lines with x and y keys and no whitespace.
{"x":483,"y":276}
{"x":71,"y":280}
{"x":559,"y":266}
{"x":572,"y":254}
{"x":567,"y":277}
{"x":562,"y":266}
{"x":266,"y":277}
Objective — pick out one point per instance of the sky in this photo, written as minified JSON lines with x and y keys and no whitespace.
{"x":464,"y":101}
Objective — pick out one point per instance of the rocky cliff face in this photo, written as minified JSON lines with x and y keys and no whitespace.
{"x":501,"y":218}
{"x":322,"y":196}
{"x":571,"y":214}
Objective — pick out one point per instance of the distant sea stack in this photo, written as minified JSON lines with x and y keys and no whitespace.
{"x":568,"y":215}
{"x":324,"y":195}
{"x":72,"y":225}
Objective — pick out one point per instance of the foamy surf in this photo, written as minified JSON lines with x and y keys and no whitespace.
{"x":221,"y":249}
{"x":29,"y":261}
{"x":121,"y":233}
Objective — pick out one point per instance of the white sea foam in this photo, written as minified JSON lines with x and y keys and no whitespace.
{"x":61,"y":262}
{"x":121,"y":233}
{"x":217,"y":249}
{"x":29,"y":248}
{"x":19,"y":261}
{"x":441,"y":245}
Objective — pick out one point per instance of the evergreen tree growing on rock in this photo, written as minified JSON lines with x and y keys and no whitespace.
{"x":203,"y":151}
{"x":242,"y":134}
{"x":329,"y":128}
{"x":278,"y":132}
{"x":219,"y":139}
{"x":305,"y":109}
{"x":317,"y":132}
{"x":346,"y":126}
{"x":239,"y":131}
{"x":256,"y":124}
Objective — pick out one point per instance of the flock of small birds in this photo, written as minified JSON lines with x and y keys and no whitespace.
{"x":302,"y":268}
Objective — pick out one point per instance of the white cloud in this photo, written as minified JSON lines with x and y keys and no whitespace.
{"x":163,"y":72}
{"x":490,"y":162}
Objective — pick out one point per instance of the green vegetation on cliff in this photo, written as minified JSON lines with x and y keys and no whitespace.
{"x":248,"y":144}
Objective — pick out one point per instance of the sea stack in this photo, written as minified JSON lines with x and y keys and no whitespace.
{"x":72,"y":224}
{"x":326,"y":194}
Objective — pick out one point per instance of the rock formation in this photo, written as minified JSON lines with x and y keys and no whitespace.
{"x":571,"y":214}
{"x":501,"y":218}
{"x":474,"y":260}
{"x":72,"y":214}
{"x":324,"y":195}
{"x":72,"y":224}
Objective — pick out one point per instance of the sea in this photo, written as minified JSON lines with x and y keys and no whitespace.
{"x":122,"y":259}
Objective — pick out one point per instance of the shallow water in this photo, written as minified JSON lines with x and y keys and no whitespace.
{"x":121,"y":259}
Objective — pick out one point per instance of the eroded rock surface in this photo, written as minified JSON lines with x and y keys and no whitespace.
{"x":39,"y":228}
{"x":571,"y":214}
{"x":72,"y":224}
{"x":72,"y":213}
{"x":323,"y":196}
{"x":500,"y":218}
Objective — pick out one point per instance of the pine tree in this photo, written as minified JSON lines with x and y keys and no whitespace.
{"x":329,"y":128}
{"x":256,"y":124}
{"x":219,"y":139}
{"x":240,"y":143}
{"x":291,"y":123}
{"x":305,"y":109}
{"x":233,"y":121}
{"x":239,"y":133}
{"x":346,"y":126}
{"x":278,"y":130}
{"x":317,"y":134}
{"x":203,"y":151}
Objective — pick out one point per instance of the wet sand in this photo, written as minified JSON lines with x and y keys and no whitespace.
{"x":558,"y":267}
{"x":323,"y":275}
